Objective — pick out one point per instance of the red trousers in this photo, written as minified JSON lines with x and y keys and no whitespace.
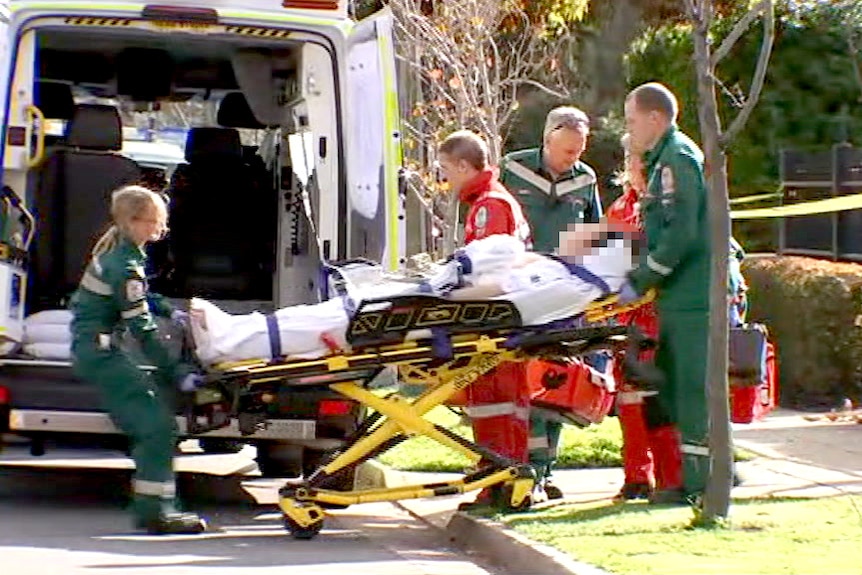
{"x":651,"y":444}
{"x":498,"y":404}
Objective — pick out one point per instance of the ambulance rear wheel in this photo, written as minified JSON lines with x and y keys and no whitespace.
{"x":302,"y":533}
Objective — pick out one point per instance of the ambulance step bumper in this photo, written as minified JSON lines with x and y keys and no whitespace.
{"x":52,"y":421}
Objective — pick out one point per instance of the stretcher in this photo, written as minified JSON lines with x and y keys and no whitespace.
{"x":441,"y":344}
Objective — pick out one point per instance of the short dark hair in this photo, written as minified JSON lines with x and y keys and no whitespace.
{"x":468,"y":146}
{"x":655,"y":97}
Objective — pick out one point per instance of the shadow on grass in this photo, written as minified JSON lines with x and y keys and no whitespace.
{"x":579,"y":513}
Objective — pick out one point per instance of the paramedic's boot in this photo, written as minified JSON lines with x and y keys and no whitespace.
{"x":173,"y":524}
{"x":157,"y":516}
{"x":551,"y":490}
{"x":487,"y":500}
{"x":633,"y":491}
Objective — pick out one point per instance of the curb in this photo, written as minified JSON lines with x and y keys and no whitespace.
{"x":515,"y":552}
{"x":490,"y":539}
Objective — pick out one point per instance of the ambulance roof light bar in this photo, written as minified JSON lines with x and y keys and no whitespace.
{"x":181,"y":14}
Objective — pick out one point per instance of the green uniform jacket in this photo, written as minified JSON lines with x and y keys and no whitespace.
{"x":112,"y":296}
{"x":550,"y":205}
{"x":674,"y":215}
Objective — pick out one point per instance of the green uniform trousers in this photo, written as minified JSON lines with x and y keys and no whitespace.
{"x":681,"y":355}
{"x":544,"y":443}
{"x":137,"y":408}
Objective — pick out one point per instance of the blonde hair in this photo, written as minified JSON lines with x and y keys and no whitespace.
{"x":127,"y":203}
{"x":623,"y":177}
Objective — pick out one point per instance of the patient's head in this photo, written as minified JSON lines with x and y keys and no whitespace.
{"x":580,"y":240}
{"x":463,"y":154}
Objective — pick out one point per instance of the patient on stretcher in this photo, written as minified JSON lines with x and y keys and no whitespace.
{"x":591,"y":263}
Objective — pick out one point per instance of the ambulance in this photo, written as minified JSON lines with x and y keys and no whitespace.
{"x":297,"y":163}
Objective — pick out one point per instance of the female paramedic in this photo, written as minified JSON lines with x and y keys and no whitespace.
{"x":112,"y":296}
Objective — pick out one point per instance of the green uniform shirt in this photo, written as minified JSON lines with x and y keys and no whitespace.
{"x":113,"y":296}
{"x":550,"y":205}
{"x":674,"y":215}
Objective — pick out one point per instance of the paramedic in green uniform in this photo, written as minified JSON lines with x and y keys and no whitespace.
{"x":674,"y":216}
{"x":555,"y":189}
{"x":113,"y":297}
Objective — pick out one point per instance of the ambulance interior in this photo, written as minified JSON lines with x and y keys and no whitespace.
{"x":225,"y":229}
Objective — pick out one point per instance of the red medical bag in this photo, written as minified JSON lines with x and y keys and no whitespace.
{"x":753,"y":402}
{"x":576,"y":391}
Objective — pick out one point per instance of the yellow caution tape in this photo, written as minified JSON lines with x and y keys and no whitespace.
{"x":827,"y":206}
{"x":755,"y":198}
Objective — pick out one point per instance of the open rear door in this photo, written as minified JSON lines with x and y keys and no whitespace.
{"x":375,"y":222}
{"x":5,"y":80}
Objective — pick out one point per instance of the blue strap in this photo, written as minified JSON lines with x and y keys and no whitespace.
{"x":274,"y":335}
{"x":441,"y":344}
{"x":464,"y":260}
{"x":586,"y":275}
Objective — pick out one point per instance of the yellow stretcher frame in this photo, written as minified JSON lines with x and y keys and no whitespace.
{"x":396,"y":418}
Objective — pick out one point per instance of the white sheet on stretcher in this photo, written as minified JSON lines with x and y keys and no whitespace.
{"x":543,"y":292}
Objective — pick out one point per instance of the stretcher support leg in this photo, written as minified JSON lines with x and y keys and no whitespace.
{"x":303,"y":505}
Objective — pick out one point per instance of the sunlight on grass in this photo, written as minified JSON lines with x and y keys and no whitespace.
{"x":766,"y":537}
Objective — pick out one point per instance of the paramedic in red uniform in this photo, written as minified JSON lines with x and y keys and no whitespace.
{"x":498,"y":403}
{"x":651,"y":455}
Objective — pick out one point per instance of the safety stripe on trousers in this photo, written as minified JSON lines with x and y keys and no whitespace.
{"x":163,"y":489}
{"x":692,"y":449}
{"x":95,"y":285}
{"x":135,"y":311}
{"x":538,"y":442}
{"x":497,"y":410}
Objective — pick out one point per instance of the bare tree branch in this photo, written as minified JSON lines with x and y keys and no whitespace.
{"x":758,"y":79}
{"x":738,"y":30}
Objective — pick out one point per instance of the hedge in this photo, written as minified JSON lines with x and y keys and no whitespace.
{"x":813,"y":309}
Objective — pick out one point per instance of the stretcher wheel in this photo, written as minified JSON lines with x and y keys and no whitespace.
{"x":302,"y":533}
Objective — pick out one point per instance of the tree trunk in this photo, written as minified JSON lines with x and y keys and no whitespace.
{"x":616,"y":25}
{"x":717,"y":498}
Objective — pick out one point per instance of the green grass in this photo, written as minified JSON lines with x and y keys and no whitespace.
{"x":764,"y":537}
{"x":594,"y":446}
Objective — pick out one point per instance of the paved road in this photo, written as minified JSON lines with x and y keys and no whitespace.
{"x":70,"y":520}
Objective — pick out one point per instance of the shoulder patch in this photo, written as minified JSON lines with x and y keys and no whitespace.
{"x":667,"y":184}
{"x":135,"y":290}
{"x":481,"y":217}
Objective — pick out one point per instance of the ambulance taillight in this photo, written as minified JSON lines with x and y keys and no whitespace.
{"x":180,"y":14}
{"x":5,"y":397}
{"x":311,"y":4}
{"x":334,"y":407}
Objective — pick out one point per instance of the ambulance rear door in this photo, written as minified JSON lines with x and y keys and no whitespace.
{"x":375,"y":206}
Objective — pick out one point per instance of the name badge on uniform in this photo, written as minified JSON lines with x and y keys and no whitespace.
{"x":481,"y":217}
{"x":667,"y":184}
{"x":135,"y":290}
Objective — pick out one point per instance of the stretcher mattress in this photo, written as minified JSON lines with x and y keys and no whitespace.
{"x":297,"y":331}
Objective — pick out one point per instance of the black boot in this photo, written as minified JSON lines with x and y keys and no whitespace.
{"x":631,"y":491}
{"x":552,"y":491}
{"x":669,"y":497}
{"x":173,"y":524}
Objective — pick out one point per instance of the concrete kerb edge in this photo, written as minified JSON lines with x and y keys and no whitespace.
{"x":516,"y":552}
{"x":490,"y":539}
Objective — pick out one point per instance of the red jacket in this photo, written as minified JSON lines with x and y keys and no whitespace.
{"x":626,"y":212}
{"x":493,"y":210}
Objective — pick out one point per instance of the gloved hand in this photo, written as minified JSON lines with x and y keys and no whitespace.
{"x":180,"y":317}
{"x":627,"y":294}
{"x":191,"y":382}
